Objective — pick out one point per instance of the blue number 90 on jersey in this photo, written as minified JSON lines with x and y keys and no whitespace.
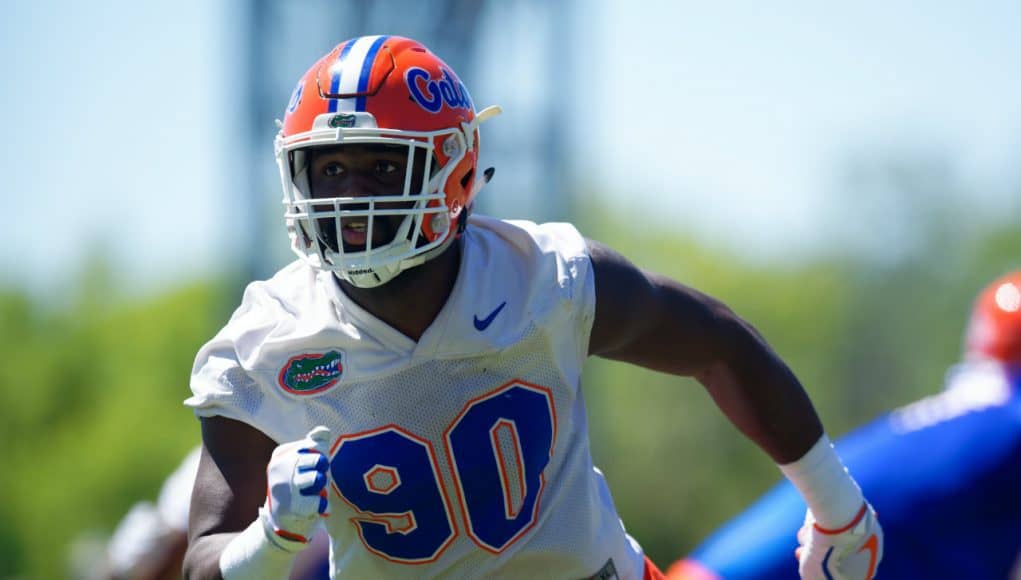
{"x":497,"y":448}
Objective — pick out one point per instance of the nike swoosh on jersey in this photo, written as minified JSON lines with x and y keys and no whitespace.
{"x":483,"y":324}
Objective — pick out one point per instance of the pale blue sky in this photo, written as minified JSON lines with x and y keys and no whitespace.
{"x":736,"y":115}
{"x":761,"y":102}
{"x":116,"y":137}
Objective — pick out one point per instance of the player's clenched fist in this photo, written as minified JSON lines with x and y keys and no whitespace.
{"x":851,"y":552}
{"x":296,"y":486}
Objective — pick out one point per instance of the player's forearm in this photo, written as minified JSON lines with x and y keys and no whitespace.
{"x":760,"y":395}
{"x":250,"y":554}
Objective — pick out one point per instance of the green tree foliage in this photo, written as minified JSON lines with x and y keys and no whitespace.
{"x":91,"y":413}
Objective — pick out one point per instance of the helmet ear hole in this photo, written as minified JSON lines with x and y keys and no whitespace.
{"x":467,"y":178}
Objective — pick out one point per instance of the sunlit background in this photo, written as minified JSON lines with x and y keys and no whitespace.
{"x":847,"y":177}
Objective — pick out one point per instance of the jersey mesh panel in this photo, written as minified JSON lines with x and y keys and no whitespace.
{"x":246,"y":392}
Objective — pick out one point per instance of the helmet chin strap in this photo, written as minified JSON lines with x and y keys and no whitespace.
{"x":487,"y":176}
{"x":379,"y":276}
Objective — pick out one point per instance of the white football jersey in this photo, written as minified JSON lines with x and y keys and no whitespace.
{"x":462,"y":455}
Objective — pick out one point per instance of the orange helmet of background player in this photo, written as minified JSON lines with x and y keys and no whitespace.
{"x":391,"y":91}
{"x":994,"y":331}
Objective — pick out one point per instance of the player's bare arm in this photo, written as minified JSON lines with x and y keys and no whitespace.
{"x":229,"y":488}
{"x":655,"y":322}
{"x":650,"y":320}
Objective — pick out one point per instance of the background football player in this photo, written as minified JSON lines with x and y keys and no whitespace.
{"x":943,"y":472}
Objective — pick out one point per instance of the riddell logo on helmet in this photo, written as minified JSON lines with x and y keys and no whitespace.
{"x":431,"y":94}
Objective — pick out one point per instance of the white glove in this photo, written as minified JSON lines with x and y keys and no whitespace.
{"x":849,"y":553}
{"x":296,"y":496}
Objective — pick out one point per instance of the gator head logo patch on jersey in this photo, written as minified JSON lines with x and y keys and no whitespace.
{"x":306,"y":374}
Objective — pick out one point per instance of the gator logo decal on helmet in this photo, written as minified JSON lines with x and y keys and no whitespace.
{"x":306,"y":374}
{"x":342,"y":120}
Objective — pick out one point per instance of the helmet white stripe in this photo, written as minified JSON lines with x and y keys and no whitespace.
{"x":335,"y":70}
{"x":350,"y":70}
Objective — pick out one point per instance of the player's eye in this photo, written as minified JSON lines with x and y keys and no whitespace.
{"x":333,"y":170}
{"x":386,"y":168}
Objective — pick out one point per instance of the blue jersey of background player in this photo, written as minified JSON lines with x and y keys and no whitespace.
{"x":943,"y":473}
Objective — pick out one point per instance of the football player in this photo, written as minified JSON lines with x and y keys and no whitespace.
{"x":412,"y":381}
{"x":943,"y":472}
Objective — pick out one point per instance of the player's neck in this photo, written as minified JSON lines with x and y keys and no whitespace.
{"x":411,"y":301}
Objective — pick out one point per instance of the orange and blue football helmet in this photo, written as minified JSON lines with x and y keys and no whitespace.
{"x":994,"y":331}
{"x":387,"y":91}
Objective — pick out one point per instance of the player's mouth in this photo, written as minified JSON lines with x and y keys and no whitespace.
{"x":355,"y":233}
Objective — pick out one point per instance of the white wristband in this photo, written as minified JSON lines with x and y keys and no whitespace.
{"x":831,"y":494}
{"x":255,"y":554}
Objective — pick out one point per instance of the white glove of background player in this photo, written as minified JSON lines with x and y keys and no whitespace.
{"x":296,"y":498}
{"x":850,"y":553}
